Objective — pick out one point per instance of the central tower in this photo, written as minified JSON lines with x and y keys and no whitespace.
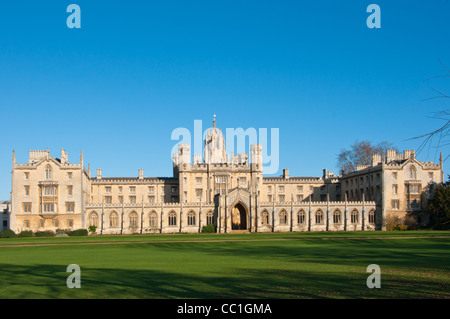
{"x":214,"y":149}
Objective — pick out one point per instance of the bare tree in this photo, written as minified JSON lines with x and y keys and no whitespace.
{"x":360,"y":153}
{"x":438,"y":138}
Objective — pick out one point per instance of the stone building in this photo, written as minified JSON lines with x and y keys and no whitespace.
{"x":5,"y":210}
{"x":230,"y":192}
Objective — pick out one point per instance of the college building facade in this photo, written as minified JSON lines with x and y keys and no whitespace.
{"x":49,"y":193}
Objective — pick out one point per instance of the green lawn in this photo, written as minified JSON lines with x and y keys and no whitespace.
{"x":291,"y":265}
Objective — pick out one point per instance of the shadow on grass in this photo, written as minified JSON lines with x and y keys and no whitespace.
{"x":420,"y":254}
{"x":44,"y":281}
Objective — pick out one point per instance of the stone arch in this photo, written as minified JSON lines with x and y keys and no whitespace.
{"x":239,"y":215}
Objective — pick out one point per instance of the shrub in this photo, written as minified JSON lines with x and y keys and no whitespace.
{"x":7,"y":233}
{"x":78,"y":232}
{"x":92,"y":229}
{"x":209,"y":229}
{"x":45,"y":233}
{"x":26,"y":233}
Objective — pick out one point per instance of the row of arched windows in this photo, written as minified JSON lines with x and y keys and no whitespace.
{"x":152,"y":218}
{"x":318,"y":217}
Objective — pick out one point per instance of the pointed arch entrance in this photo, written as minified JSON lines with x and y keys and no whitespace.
{"x":239,"y":217}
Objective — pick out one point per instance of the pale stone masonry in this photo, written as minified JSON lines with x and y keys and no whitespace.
{"x":51,"y":193}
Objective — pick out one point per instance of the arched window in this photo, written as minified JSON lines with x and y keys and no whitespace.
{"x":371,"y":217}
{"x":113,"y":220}
{"x":48,"y":172}
{"x":265,"y":218}
{"x":301,"y":217}
{"x":133,"y":220}
{"x":319,"y":217}
{"x":191,"y":218}
{"x":153,"y":219}
{"x":337,"y":216}
{"x":412,"y":173}
{"x":210,"y":218}
{"x":93,"y":219}
{"x":172,"y":219}
{"x":283,"y":217}
{"x":354,"y":217}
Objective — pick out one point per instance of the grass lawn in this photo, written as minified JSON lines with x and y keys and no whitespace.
{"x":291,"y":265}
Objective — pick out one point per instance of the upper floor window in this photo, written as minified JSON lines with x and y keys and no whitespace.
{"x":198,"y":180}
{"x":48,"y":172}
{"x":132,"y":189}
{"x":27,"y":176}
{"x":412,"y":173}
{"x":108,"y":189}
{"x":69,"y":175}
{"x":394,"y":189}
{"x":299,"y":189}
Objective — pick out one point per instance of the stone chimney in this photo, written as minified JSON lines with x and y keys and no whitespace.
{"x":286,"y":173}
{"x":141,"y":173}
{"x":99,"y":173}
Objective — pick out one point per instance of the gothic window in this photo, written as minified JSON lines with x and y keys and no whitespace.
{"x":265,"y":218}
{"x":301,"y":217}
{"x":412,"y":173}
{"x":371,"y":217}
{"x":191,"y":219}
{"x":153,"y":219}
{"x":172,"y":219}
{"x":210,"y":218}
{"x":113,"y":220}
{"x":319,"y":217}
{"x":354,"y":217}
{"x":133,"y":220}
{"x":93,"y":219}
{"x":48,"y":172}
{"x":283,"y":217}
{"x":337,"y":216}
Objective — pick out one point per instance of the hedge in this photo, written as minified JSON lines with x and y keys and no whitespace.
{"x":79,"y":232}
{"x":7,"y":233}
{"x":209,"y":229}
{"x":26,"y":233}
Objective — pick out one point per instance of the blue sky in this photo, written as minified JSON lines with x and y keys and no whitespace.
{"x":136,"y":70}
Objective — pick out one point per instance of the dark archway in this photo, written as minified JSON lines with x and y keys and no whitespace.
{"x":238,"y":217}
